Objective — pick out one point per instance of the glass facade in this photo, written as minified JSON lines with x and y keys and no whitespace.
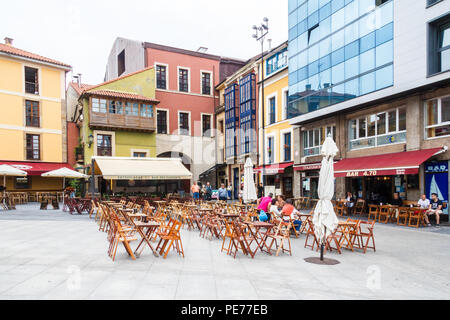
{"x":338,"y":50}
{"x":231,"y":119}
{"x":247,"y":103}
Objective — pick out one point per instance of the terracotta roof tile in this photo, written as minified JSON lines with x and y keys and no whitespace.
{"x":22,"y":53}
{"x":123,"y":95}
{"x":80,"y":89}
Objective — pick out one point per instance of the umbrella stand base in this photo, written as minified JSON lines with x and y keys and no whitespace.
{"x":325,"y":261}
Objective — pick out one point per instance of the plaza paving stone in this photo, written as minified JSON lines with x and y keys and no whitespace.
{"x":54,"y":255}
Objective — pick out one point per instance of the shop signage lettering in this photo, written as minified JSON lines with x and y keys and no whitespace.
{"x":369,"y":173}
{"x":433,"y":168}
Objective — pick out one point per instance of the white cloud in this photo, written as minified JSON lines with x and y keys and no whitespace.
{"x":82,"y":32}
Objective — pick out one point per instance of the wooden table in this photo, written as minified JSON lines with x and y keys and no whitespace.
{"x":146,"y":230}
{"x":345,"y":228}
{"x":259,"y":236}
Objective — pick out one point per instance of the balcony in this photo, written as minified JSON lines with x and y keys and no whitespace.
{"x":108,"y":120}
{"x":122,"y":112}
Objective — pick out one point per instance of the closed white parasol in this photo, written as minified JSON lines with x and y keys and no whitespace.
{"x":249,"y":192}
{"x":325,"y":220}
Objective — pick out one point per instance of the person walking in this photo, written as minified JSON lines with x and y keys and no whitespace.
{"x":260,"y":191}
{"x":195,"y":191}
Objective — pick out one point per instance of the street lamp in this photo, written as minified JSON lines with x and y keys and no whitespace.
{"x":260,"y":35}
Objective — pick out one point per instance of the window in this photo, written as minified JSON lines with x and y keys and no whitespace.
{"x":161,"y":121}
{"x":183,"y":80}
{"x":184,"y":123}
{"x":439,"y":46}
{"x":270,"y":150}
{"x":206,"y":125}
{"x":115,"y":107}
{"x":286,"y":104}
{"x":121,"y":63}
{"x":206,"y":83}
{"x":31,"y":80}
{"x":132,"y":109}
{"x":277,"y":62}
{"x":32,"y":113}
{"x":437,"y":115}
{"x":378,"y":129}
{"x":33,"y":147}
{"x":272,"y":110}
{"x":146,"y":110}
{"x":161,"y":77}
{"x":287,"y":146}
{"x":314,"y":138}
{"x":139,"y":154}
{"x":99,"y":105}
{"x":431,"y":2}
{"x":104,"y":145}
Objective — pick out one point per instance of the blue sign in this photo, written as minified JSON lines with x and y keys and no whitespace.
{"x":436,"y":180}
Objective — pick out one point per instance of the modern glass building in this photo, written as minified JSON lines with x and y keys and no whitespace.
{"x":338,"y":50}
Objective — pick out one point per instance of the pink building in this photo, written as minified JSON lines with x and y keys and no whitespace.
{"x":185,"y":87}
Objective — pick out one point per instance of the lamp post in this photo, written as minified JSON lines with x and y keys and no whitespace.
{"x":260,"y":35}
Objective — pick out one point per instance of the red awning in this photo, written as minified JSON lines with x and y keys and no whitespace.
{"x":274,"y":168}
{"x":308,"y":166}
{"x":384,"y":164}
{"x":36,"y":168}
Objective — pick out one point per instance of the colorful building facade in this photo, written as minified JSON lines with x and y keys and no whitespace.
{"x":33,"y":117}
{"x":119,"y":120}
{"x":275,"y":147}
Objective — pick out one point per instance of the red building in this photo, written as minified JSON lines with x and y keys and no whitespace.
{"x":185,"y":87}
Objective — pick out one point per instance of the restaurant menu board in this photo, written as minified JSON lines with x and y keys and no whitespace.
{"x":436,"y":181}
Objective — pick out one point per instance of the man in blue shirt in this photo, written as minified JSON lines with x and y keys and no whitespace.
{"x":223,"y":193}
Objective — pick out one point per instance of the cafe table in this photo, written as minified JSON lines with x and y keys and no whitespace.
{"x":259,"y":235}
{"x":345,"y":228}
{"x":146,"y":230}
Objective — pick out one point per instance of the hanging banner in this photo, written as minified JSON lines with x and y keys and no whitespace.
{"x":436,"y":181}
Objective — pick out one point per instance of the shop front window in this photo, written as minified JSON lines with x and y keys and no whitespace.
{"x":371,"y":130}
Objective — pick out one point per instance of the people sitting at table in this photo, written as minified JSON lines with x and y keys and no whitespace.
{"x":423,"y":202}
{"x":435,"y":208}
{"x":289,"y":213}
{"x":281,"y":201}
{"x":349,"y":202}
{"x":274,"y":208}
{"x":397,"y":201}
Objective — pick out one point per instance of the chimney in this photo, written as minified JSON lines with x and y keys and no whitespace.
{"x":79,"y":79}
{"x":326,"y":85}
{"x":270,"y":44}
{"x":9,"y":41}
{"x":308,"y":87}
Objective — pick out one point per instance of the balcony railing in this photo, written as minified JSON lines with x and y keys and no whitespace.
{"x":121,"y":121}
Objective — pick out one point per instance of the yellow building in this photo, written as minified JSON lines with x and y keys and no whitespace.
{"x":33,"y":117}
{"x":275,"y":132}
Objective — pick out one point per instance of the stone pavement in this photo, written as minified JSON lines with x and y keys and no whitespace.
{"x":54,"y":255}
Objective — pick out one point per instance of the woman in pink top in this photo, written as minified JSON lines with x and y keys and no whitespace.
{"x":264,"y":203}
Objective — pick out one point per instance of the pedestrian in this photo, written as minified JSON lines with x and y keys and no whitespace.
{"x":229,"y":191}
{"x":195,"y":191}
{"x":260,"y":191}
{"x":264,"y":202}
{"x":203,"y":192}
{"x":208,"y":191}
{"x":223,"y":193}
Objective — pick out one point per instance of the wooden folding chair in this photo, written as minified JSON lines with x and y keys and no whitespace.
{"x":228,"y":234}
{"x":121,"y":235}
{"x":339,"y":209}
{"x":418,"y":216}
{"x":242,"y":240}
{"x":359,"y":207}
{"x":365,"y":234}
{"x":172,"y":239}
{"x":384,"y":214}
{"x":288,"y":219}
{"x":310,"y":233}
{"x":403,"y":214}
{"x":281,"y":234}
{"x":373,"y":212}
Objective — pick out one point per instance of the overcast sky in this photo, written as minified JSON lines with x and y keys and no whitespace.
{"x":81,"y":33}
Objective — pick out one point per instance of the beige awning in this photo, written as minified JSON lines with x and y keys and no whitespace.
{"x":115,"y":168}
